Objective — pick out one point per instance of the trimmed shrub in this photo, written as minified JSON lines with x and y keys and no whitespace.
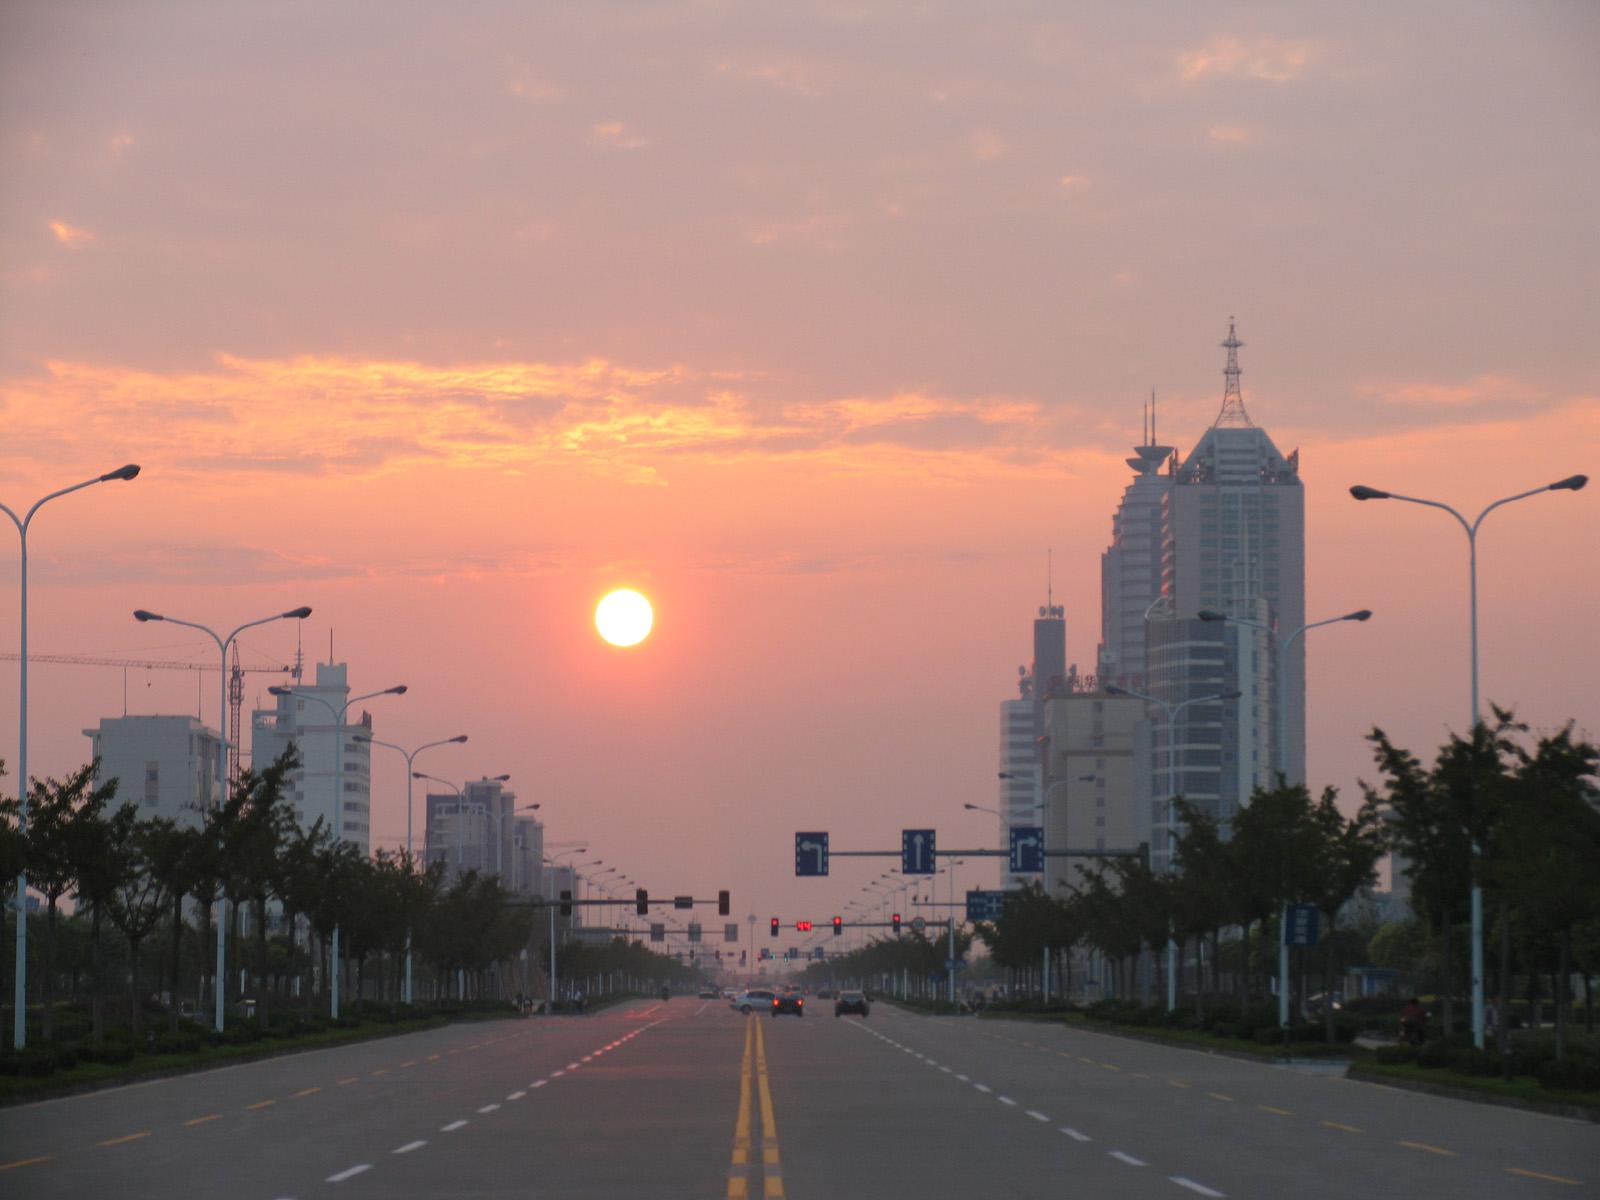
{"x":1395,"y":1055}
{"x":1575,"y":1073}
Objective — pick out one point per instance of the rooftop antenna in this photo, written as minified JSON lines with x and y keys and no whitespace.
{"x":299,"y":654}
{"x":1152,"y":441}
{"x":1232,"y":399}
{"x":1049,"y":578}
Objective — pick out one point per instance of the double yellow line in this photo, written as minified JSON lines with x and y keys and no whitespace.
{"x":739,"y":1170}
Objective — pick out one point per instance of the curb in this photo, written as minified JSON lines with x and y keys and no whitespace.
{"x":1270,"y":1060}
{"x":1549,"y":1108}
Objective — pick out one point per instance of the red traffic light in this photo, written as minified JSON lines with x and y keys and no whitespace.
{"x":803,"y":926}
{"x":896,"y":920}
{"x":838,"y":926}
{"x":774,"y":926}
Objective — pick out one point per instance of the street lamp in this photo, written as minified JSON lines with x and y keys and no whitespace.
{"x":19,"y":1029}
{"x":1282,"y":740}
{"x":1572,"y":483}
{"x":1171,"y":710}
{"x":338,"y":711}
{"x":551,"y":909}
{"x":410,"y":756}
{"x":294,"y":614}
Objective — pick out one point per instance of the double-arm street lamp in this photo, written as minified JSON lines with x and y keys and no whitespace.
{"x":294,"y":614}
{"x":338,"y":711}
{"x":1572,"y":483}
{"x":410,"y":757}
{"x":1282,"y":739}
{"x":19,"y":1029}
{"x":550,"y":907}
{"x":1172,"y":711}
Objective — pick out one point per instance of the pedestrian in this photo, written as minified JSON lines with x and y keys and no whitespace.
{"x":1413,"y":1023}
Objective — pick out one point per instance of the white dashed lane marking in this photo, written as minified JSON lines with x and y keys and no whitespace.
{"x":410,"y":1146}
{"x":349,"y":1173}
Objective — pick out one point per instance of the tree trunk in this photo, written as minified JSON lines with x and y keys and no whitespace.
{"x":177,"y":960}
{"x":47,"y":991}
{"x":137,"y":1014}
{"x":96,"y":1010}
{"x":1563,"y":989}
{"x":1502,"y":1005}
{"x":1328,"y":1034}
{"x":1447,"y":973}
{"x":262,"y":990}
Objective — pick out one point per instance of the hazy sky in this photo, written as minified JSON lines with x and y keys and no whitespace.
{"x":819,"y":323}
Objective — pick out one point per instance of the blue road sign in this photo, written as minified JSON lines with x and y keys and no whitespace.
{"x":985,"y":906}
{"x":1027,"y":850}
{"x":916,"y":851}
{"x":816,"y":952}
{"x":811,"y":853}
{"x":1301,"y":928}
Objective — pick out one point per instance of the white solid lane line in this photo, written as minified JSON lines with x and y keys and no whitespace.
{"x":409,"y":1147}
{"x":1199,"y":1188}
{"x":350,"y":1173}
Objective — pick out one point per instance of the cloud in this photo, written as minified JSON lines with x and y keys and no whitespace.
{"x":70,"y":236}
{"x":615,"y":134}
{"x":1273,"y":60}
{"x":1228,"y":133}
{"x":1488,"y":389}
{"x":320,"y":416}
{"x":985,"y":145}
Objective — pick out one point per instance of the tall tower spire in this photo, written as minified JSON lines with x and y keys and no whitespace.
{"x":1233,"y":412}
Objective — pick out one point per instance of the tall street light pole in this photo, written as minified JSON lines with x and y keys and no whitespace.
{"x":338,"y":712}
{"x":1282,"y":740}
{"x":410,"y":757}
{"x":1572,"y":483}
{"x":551,"y":909}
{"x":1171,"y":710}
{"x":219,"y":992}
{"x":19,"y":1028}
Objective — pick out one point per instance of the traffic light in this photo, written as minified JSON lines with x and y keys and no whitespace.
{"x":838,"y":926}
{"x":896,"y":920}
{"x":723,"y":904}
{"x":774,"y":926}
{"x":566,"y":903}
{"x":641,"y":902}
{"x":803,"y":926}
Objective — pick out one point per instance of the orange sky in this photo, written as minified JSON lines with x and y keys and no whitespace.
{"x":820,"y":329}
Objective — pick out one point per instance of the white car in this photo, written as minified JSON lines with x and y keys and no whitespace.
{"x":753,"y":1000}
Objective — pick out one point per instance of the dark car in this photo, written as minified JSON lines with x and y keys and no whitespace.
{"x":850,"y":1002}
{"x":789,"y":1002}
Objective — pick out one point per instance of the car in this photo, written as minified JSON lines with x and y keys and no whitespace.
{"x":824,"y":993}
{"x":850,"y":1002}
{"x":709,"y":992}
{"x":789,"y":1002}
{"x":752,"y":999}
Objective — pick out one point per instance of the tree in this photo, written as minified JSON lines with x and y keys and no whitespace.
{"x":137,"y":902}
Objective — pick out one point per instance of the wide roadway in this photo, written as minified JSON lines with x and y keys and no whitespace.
{"x":690,"y":1099}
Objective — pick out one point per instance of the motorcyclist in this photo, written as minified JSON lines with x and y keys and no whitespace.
{"x":1413,"y":1023}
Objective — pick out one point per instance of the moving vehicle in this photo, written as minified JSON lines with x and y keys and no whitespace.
{"x":709,"y":991}
{"x":753,"y":999}
{"x":850,"y":1002}
{"x":789,"y":1002}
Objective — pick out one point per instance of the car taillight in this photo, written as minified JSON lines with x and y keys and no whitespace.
{"x":800,"y":1003}
{"x":774,"y":1002}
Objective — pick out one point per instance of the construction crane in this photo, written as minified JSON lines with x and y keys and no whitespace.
{"x":236,"y":674}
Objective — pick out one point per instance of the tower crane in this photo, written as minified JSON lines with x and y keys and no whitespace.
{"x":235,"y":683}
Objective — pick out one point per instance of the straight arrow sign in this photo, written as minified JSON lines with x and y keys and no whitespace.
{"x":916,"y":851}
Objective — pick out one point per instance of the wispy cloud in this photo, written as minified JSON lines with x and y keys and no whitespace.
{"x":70,"y":236}
{"x":1228,"y":133}
{"x":1273,"y":60}
{"x":616,"y":135}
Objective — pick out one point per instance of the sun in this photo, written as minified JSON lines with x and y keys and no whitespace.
{"x":624,"y":617}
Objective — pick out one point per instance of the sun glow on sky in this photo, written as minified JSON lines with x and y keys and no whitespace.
{"x":624,"y":617}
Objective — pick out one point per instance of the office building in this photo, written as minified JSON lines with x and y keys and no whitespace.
{"x":480,"y":830}
{"x":1130,"y":567}
{"x":167,"y":766}
{"x":1095,"y":782}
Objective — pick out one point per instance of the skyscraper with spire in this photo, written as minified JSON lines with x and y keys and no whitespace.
{"x":1130,"y":567}
{"x":1232,"y":541}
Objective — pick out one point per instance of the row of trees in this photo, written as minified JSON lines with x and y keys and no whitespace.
{"x":1520,"y":819}
{"x":150,"y":881}
{"x":915,"y":956}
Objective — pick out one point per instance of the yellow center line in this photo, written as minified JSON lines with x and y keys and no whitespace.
{"x":379,"y":1071}
{"x":1345,"y":1128}
{"x":1082,"y":1059}
{"x":1220,"y":1096}
{"x":1282,"y":1112}
{"x":130,"y":1137}
{"x":412,"y":1063}
{"x":772,"y":1166}
{"x":1139,"y":1075}
{"x":433,"y":1058}
{"x":1177,"y":1083}
{"x":311,"y":1091}
{"x":259,"y":1104}
{"x":1063,"y":1054}
{"x":26,"y":1162}
{"x":738,"y":1168}
{"x":1109,"y":1067}
{"x":203,"y":1120}
{"x":1509,"y":1171}
{"x":1443,"y":1153}
{"x":348,"y":1082}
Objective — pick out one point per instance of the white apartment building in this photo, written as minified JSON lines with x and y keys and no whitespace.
{"x":1019,"y":775}
{"x":334,"y":779}
{"x":165,"y":765}
{"x":480,"y":830}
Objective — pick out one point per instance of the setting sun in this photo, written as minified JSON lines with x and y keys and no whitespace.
{"x":624,"y":617}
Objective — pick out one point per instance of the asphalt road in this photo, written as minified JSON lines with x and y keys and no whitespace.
{"x":690,"y":1099}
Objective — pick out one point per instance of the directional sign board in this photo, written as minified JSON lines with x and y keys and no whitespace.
{"x":916,"y":851}
{"x":918,"y":924}
{"x":658,"y":932}
{"x":985,"y":906}
{"x":811,"y":853}
{"x":1027,"y":850}
{"x":694,"y":933}
{"x":816,"y":952}
{"x":730,"y":932}
{"x":1301,"y":929}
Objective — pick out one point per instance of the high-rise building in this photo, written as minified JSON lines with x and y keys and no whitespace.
{"x":1233,"y":542}
{"x":1019,"y":774}
{"x":1130,"y":567}
{"x":167,"y":766}
{"x":480,"y":830}
{"x":1095,"y":783}
{"x":307,"y":716}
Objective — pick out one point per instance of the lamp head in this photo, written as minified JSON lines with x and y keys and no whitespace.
{"x":140,"y":614}
{"x":1363,"y":614}
{"x":398,"y":690}
{"x":418,"y":775}
{"x":1113,"y":690}
{"x":460,"y":737}
{"x":1362,"y":492}
{"x":277,"y":689}
{"x":1233,"y":695}
{"x":127,"y":472}
{"x":501,"y":778}
{"x":299,"y":614}
{"x":1211,"y":614}
{"x":1572,"y":483}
